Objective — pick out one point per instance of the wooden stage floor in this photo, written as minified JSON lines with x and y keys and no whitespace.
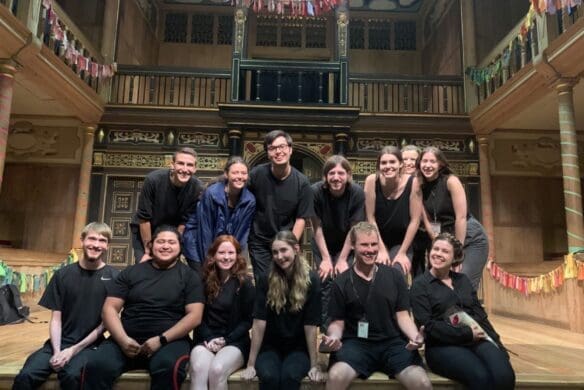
{"x":543,"y":356}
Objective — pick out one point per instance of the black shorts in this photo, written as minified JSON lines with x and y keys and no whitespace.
{"x":366,"y":356}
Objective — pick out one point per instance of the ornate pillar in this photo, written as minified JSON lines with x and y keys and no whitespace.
{"x":84,"y":181}
{"x":342,"y":36}
{"x":341,"y":141}
{"x":7,"y":71}
{"x":239,"y":44}
{"x":487,"y":214}
{"x":570,"y":166}
{"x":110,"y":30}
{"x":469,"y":57}
{"x":235,"y":142}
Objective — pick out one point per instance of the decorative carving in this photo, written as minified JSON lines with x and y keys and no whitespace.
{"x":465,"y":168}
{"x":211,"y":163}
{"x":127,"y":185}
{"x":122,"y":202}
{"x":375,"y":144}
{"x":446,"y":145}
{"x":129,"y":160}
{"x":363,"y":166}
{"x":120,"y":227}
{"x":541,"y":154}
{"x":198,"y":139}
{"x":136,"y":137}
{"x":118,"y":254}
{"x":240,"y":19}
{"x":251,"y":150}
{"x":24,"y":140}
{"x":342,"y":22}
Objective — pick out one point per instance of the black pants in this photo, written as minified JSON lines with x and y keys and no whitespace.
{"x":137,"y":244}
{"x":37,"y":369}
{"x":260,"y":254}
{"x":481,"y":366}
{"x":108,"y":363}
{"x":420,"y":245}
{"x":281,"y":370}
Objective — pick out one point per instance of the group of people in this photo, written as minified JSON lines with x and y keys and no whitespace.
{"x":410,"y":217}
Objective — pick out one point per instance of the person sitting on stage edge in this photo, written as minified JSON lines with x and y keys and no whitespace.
{"x":162,"y":301}
{"x":75,"y":296}
{"x":468,"y":352}
{"x":283,"y":200}
{"x":222,"y":339}
{"x":168,"y":196}
{"x":286,"y":314}
{"x":226,"y":207}
{"x":369,"y":313}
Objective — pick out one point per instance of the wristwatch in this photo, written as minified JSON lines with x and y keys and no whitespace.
{"x":163,"y":340}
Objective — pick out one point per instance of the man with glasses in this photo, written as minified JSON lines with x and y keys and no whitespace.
{"x":283,"y":199}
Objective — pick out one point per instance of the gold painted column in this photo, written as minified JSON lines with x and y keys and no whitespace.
{"x":84,"y":181}
{"x":570,"y":166}
{"x":7,"y":71}
{"x":487,"y":215}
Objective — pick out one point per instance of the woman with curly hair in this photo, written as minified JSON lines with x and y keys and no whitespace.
{"x":222,"y":339}
{"x":287,"y":312}
{"x":461,"y":343}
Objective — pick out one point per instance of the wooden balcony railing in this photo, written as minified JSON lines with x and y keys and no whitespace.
{"x":173,"y":88}
{"x":439,"y":95}
{"x":566,"y":18}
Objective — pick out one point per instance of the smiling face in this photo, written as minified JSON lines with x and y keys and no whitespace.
{"x":279,"y":151}
{"x":441,"y":256}
{"x":389,"y":166}
{"x":366,"y":247}
{"x":430,"y":166}
{"x":237,"y":175}
{"x":336,"y":180}
{"x":284,"y":255}
{"x":183,"y":168}
{"x":165,"y":248}
{"x":409,"y":157}
{"x":226,"y":256}
{"x":94,"y":247}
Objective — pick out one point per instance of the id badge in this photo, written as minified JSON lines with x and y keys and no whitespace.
{"x":435,"y":226}
{"x":363,"y":329}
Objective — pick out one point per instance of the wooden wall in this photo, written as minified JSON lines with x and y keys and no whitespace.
{"x":195,"y":56}
{"x":137,"y":42}
{"x":88,"y":17}
{"x":529,"y":218}
{"x":37,"y":206}
{"x":442,"y":53}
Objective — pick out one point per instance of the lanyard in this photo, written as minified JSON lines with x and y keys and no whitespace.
{"x":369,"y":293}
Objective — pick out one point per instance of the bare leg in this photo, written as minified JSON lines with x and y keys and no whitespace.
{"x":226,"y":361}
{"x":201,"y":359}
{"x":340,"y":376}
{"x":414,"y":377}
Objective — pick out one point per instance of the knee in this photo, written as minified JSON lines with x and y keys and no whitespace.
{"x":338,"y":377}
{"x":269,"y":378}
{"x":69,"y":378}
{"x":422,"y":382}
{"x":504,"y":379}
{"x":23,"y":380}
{"x":218,"y":373}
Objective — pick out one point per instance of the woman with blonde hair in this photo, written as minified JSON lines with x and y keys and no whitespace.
{"x":222,"y":339}
{"x":287,"y":312}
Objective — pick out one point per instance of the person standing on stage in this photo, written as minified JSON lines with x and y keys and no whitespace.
{"x":394,"y":206}
{"x":447,"y":211}
{"x":226,"y":207}
{"x":168,"y":196}
{"x":75,"y":296}
{"x":283,"y":200}
{"x":338,"y":205}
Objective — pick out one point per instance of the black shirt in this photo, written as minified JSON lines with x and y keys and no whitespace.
{"x":155,"y":299}
{"x":162,"y":203}
{"x":389,"y":295}
{"x":337,"y":215}
{"x":431,"y":300}
{"x":438,"y":203}
{"x":285,"y":331}
{"x":229,"y":315}
{"x":278,"y":202}
{"x":392,"y":215}
{"x":79,"y":295}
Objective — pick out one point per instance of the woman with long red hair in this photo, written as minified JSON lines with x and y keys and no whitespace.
{"x":222,"y":340}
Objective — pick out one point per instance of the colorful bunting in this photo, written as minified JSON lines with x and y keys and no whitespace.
{"x":551,"y":281}
{"x":290,"y":7}
{"x":552,"y":6}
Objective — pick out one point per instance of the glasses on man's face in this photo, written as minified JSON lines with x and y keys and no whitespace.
{"x":279,"y":148}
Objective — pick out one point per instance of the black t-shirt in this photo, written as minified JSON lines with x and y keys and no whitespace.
{"x":431,"y":301}
{"x":392,"y":215}
{"x":79,"y":295}
{"x":285,"y":331}
{"x":438,"y":203}
{"x":389,"y":295}
{"x":278,"y":202}
{"x":229,"y":315}
{"x":337,"y":215}
{"x":163,"y":203}
{"x":155,"y":299}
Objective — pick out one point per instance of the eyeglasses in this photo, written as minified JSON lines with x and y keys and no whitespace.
{"x":279,"y":148}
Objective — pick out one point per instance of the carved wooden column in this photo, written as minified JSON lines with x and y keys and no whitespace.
{"x":487,"y":214}
{"x":110,"y":30}
{"x":570,"y":166}
{"x":7,"y":71}
{"x":342,"y":16}
{"x":469,"y":57}
{"x":235,"y":142}
{"x":341,"y":141}
{"x":84,"y":181}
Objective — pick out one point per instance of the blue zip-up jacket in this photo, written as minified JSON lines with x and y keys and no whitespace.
{"x":212,"y":218}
